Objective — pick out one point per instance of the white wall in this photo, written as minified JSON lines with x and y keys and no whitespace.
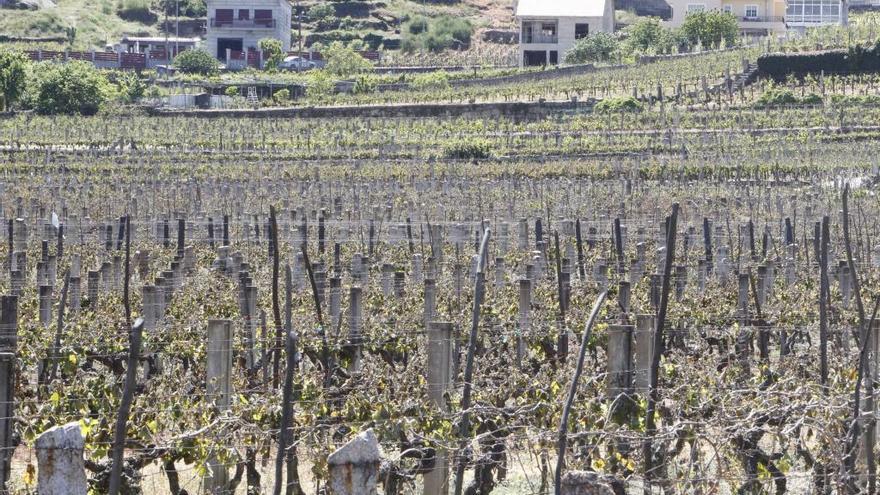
{"x":565,"y":32}
{"x":281,"y":12}
{"x":679,"y":9}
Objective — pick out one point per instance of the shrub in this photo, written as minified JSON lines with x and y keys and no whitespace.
{"x":445,"y":32}
{"x":282,"y":95}
{"x":456,"y":29}
{"x":417,"y":25}
{"x":855,"y":100}
{"x":342,"y":61}
{"x":75,"y":87}
{"x":779,"y":95}
{"x":710,"y":28}
{"x":364,"y":84}
{"x":321,"y":11}
{"x":13,"y":77}
{"x":273,"y":51}
{"x":136,"y":10}
{"x":618,"y":104}
{"x":231,"y":91}
{"x":468,"y":150}
{"x":431,"y":80}
{"x":197,"y":61}
{"x":597,"y":47}
{"x":130,"y":87}
{"x":319,"y":85}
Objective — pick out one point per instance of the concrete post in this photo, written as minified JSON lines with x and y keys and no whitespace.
{"x":525,"y":308}
{"x":219,"y":390}
{"x":45,"y":305}
{"x":430,"y":301}
{"x":644,"y":345}
{"x":439,"y":377}
{"x":619,"y":360}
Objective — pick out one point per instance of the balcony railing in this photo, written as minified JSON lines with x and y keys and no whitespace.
{"x":243,"y":23}
{"x":762,"y":18}
{"x":540,"y":38}
{"x":812,"y":19}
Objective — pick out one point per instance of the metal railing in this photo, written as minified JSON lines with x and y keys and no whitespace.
{"x":243,"y":23}
{"x":762,"y":18}
{"x":539,"y":38}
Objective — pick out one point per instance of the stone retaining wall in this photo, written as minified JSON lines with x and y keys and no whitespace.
{"x":429,"y":110}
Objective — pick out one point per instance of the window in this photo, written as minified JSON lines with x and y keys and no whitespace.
{"x":554,"y":57}
{"x":244,"y":14}
{"x":581,"y":31}
{"x":527,"y":33}
{"x":830,"y":10}
{"x":263,"y":18}
{"x":728,"y":9}
{"x":751,"y":12}
{"x":548,"y":29}
{"x":696,"y":7}
{"x":223,"y":17}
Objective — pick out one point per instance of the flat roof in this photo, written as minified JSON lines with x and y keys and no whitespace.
{"x":560,"y":8}
{"x":159,"y":39}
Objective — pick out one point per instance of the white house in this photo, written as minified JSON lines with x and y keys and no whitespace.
{"x":549,"y":28}
{"x":235,"y":27}
{"x":754,"y":17}
{"x":801,"y":14}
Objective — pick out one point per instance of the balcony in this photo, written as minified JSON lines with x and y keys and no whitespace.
{"x":243,"y":23}
{"x":761,"y":18}
{"x":528,"y":38}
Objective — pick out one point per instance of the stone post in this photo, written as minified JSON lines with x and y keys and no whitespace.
{"x":354,"y":467}
{"x":60,"y":460}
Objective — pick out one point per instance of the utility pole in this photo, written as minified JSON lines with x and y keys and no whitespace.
{"x":167,"y":50}
{"x":299,"y":26}
{"x":177,"y":28}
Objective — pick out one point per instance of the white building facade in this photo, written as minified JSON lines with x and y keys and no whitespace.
{"x":237,"y":26}
{"x":549,"y":28}
{"x":801,"y":14}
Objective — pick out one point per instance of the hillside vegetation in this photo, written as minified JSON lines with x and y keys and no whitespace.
{"x":95,"y":23}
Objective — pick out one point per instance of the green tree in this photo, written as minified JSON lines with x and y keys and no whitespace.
{"x":187,"y":8}
{"x":13,"y":76}
{"x":130,"y":87}
{"x":342,"y":61}
{"x":75,"y":87}
{"x":597,"y":47}
{"x":273,"y":52}
{"x":197,"y":61}
{"x":710,"y":28}
{"x":644,"y":35}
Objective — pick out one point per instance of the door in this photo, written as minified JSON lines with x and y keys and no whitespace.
{"x":223,"y":44}
{"x":532,"y":58}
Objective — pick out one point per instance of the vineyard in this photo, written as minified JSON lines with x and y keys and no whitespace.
{"x":674,"y":289}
